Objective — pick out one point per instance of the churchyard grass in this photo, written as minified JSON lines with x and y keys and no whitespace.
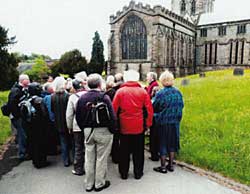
{"x":5,"y":130}
{"x":215,"y":130}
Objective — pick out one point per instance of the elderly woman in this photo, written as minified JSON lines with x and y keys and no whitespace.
{"x":168,"y":105}
{"x":59,"y":101}
{"x":97,"y":137}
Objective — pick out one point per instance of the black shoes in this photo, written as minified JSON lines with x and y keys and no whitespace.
{"x":160,"y":169}
{"x":124,"y":176}
{"x":138,"y":176}
{"x":66,"y":164}
{"x":170,"y":168}
{"x":106,"y":185}
{"x":77,"y":173}
{"x":91,"y":189}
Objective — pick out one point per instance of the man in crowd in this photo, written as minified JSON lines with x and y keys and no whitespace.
{"x":98,"y":139}
{"x":152,"y":82}
{"x":153,"y":138}
{"x":79,"y":88}
{"x":18,"y":93}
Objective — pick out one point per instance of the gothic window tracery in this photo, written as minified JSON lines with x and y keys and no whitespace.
{"x":193,"y":7}
{"x":183,"y":6}
{"x":134,"y":38}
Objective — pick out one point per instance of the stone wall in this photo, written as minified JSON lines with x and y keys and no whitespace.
{"x":233,"y":49}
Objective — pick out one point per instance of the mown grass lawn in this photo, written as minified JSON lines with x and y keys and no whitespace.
{"x":215,"y":130}
{"x":5,"y":130}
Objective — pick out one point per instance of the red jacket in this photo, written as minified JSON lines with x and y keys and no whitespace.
{"x":130,"y":100}
{"x":151,"y":87}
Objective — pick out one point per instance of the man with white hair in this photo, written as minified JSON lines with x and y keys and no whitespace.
{"x":17,"y":93}
{"x":152,"y":82}
{"x":134,"y":109}
{"x":98,"y":138}
{"x":153,"y":138}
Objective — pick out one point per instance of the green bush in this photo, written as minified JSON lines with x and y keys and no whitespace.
{"x":215,"y":126}
{"x":5,"y":131}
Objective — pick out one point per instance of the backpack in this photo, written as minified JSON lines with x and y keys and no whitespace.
{"x":27,"y":110}
{"x":98,"y":113}
{"x":5,"y":109}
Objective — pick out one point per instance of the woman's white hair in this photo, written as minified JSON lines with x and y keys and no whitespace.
{"x":131,"y":75}
{"x":167,"y":78}
{"x":59,"y":84}
{"x":110,"y":78}
{"x":81,"y":76}
{"x":110,"y":81}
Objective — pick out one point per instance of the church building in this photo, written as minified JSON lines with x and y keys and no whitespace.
{"x":148,"y":38}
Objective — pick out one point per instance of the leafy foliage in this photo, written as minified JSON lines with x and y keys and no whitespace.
{"x":70,"y":63}
{"x":8,"y":62}
{"x":215,"y":127}
{"x":39,"y":70}
{"x":97,"y":61}
{"x":4,"y":121}
{"x":5,"y":41}
{"x":30,"y":58}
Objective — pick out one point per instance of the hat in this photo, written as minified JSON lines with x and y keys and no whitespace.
{"x":131,"y":75}
{"x":77,"y":84}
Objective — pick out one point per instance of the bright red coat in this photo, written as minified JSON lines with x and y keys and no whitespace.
{"x":130,"y":100}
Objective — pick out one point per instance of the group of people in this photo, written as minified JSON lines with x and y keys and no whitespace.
{"x":94,"y":119}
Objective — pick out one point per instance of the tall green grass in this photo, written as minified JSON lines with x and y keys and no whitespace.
{"x":5,"y":131}
{"x":215,"y":130}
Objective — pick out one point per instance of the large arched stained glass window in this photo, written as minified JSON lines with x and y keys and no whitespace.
{"x":134,"y":38}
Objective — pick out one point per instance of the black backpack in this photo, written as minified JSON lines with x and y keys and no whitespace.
{"x":98,"y":113}
{"x":5,"y":109}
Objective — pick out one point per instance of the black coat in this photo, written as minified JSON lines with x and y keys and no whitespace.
{"x":16,"y":94}
{"x":39,"y":133}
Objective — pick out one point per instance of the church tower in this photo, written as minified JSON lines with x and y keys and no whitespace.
{"x":192,"y":7}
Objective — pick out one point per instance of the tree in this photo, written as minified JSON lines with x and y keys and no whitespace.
{"x":39,"y":70}
{"x":55,"y":69}
{"x":97,"y":61}
{"x":8,"y":62}
{"x":72,"y":62}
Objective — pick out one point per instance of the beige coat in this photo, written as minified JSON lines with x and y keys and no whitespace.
{"x":70,"y":112}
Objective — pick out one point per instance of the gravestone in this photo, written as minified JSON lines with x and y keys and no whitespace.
{"x":202,"y":74}
{"x":185,"y":82}
{"x":238,"y":71}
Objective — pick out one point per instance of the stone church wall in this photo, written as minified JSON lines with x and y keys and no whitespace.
{"x":170,"y":41}
{"x":233,"y":48}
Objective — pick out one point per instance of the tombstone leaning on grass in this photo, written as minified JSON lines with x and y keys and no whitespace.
{"x":185,"y":82}
{"x":202,"y":74}
{"x":239,"y":71}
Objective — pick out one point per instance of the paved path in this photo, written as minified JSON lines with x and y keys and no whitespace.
{"x":56,"y":179}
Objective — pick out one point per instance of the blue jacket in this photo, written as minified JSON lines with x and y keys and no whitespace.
{"x":168,"y":105}
{"x":47,"y":102}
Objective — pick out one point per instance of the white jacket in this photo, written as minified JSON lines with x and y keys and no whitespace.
{"x":70,"y":112}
